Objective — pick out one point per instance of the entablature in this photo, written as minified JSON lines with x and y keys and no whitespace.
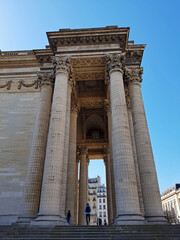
{"x":88,"y":36}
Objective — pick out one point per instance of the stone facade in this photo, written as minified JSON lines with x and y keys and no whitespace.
{"x":76,"y":100}
{"x":98,"y":201}
{"x":171,"y":203}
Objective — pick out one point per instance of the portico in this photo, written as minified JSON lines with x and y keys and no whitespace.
{"x":90,"y":107}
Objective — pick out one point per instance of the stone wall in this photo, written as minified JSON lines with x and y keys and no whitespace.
{"x":17,"y":120}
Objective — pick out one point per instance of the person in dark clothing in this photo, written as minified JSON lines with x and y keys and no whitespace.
{"x":68,"y":216}
{"x":88,"y":213}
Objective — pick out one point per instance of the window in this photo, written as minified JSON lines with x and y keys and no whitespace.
{"x":100,"y":214}
{"x":94,"y":199}
{"x":99,"y":200}
{"x":104,"y":206}
{"x":104,"y":214}
{"x":104,"y":200}
{"x":100,"y":206}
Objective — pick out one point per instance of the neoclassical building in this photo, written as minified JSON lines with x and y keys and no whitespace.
{"x":171,"y":203}
{"x":77,"y":99}
{"x":97,"y":200}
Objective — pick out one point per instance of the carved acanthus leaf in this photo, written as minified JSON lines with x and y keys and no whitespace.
{"x":106,"y":105}
{"x":115,"y":61}
{"x":133,"y":74}
{"x":75,"y":107}
{"x":46,"y":78}
{"x":82,"y":150}
{"x":61,"y":63}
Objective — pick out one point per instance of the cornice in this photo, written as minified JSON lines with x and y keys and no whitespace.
{"x":91,"y":36}
{"x":43,"y":55}
{"x":134,"y":54}
{"x":107,"y":39}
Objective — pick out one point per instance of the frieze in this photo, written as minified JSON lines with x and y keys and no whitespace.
{"x":92,"y":103}
{"x":87,"y":62}
{"x":80,"y":76}
{"x":133,"y":57}
{"x":8,"y":85}
{"x":34,"y":83}
{"x":43,"y":78}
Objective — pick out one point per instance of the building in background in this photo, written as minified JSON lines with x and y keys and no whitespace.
{"x":98,"y":201}
{"x":171,"y":203}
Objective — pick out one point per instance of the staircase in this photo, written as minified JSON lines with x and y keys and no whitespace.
{"x":145,"y":232}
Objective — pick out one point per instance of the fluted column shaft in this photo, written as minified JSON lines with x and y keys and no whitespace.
{"x":108,"y":187}
{"x":110,"y":179}
{"x":82,"y":186}
{"x":51,"y":186}
{"x":135,"y":161}
{"x":71,"y":180}
{"x":76,"y":194}
{"x":127,"y":203}
{"x":30,"y":203}
{"x":66,"y":153}
{"x":149,"y":181}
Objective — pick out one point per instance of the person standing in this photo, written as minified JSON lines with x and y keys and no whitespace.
{"x":68,"y":216}
{"x":88,"y":213}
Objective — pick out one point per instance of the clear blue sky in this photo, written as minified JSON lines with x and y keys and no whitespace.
{"x":23,"y":26}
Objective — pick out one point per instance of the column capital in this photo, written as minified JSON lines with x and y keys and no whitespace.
{"x":134,"y":75}
{"x":45,"y":78}
{"x":106,"y":149}
{"x":115,"y":61}
{"x":107,"y":105}
{"x":82,"y":150}
{"x":75,"y":107}
{"x":61,"y":64}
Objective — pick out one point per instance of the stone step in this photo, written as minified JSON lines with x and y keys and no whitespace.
{"x":145,"y":232}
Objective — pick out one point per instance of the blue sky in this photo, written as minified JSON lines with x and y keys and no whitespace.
{"x":23,"y":26}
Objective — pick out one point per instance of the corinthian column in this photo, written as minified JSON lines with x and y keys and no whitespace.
{"x":127,"y":203}
{"x":110,"y":170}
{"x":49,"y":212}
{"x":134,"y":153}
{"x":149,"y":181}
{"x":30,"y":203}
{"x":67,"y":148}
{"x":71,"y":180}
{"x":83,"y":185}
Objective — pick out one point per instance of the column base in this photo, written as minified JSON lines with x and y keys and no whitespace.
{"x":50,"y":220}
{"x":132,"y":218}
{"x":25,"y":218}
{"x":155,"y":219}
